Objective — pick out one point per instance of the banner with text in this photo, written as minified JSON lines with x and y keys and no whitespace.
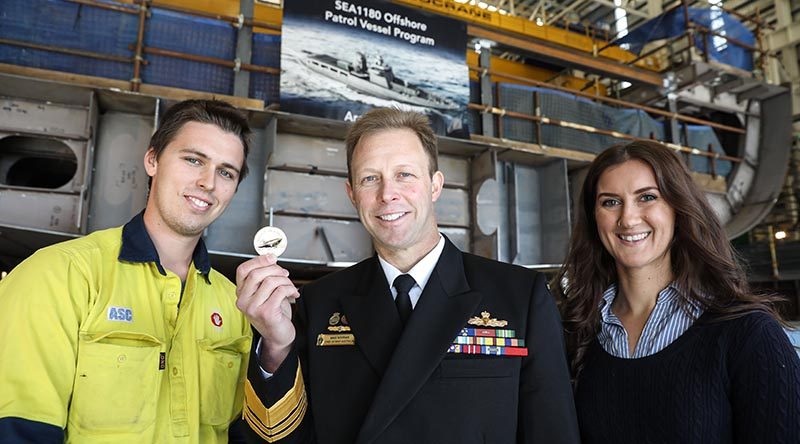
{"x":342,"y":58}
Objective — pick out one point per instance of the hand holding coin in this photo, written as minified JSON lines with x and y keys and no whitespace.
{"x":270,"y":240}
{"x":264,"y":293}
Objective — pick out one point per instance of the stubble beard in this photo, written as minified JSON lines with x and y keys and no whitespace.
{"x":184,"y":225}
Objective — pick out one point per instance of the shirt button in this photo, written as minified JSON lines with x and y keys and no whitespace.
{"x":121,"y":358}
{"x":175,"y":371}
{"x":230,"y":364}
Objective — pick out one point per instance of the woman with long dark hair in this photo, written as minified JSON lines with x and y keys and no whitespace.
{"x":667,"y":343}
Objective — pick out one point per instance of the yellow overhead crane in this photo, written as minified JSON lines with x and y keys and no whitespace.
{"x":549,"y":42}
{"x":514,"y":24}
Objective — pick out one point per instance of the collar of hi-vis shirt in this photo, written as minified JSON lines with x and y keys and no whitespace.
{"x":137,"y":246}
{"x":421,"y":272}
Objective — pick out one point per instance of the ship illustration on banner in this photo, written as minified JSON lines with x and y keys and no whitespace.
{"x":376,"y":79}
{"x":341,"y":59}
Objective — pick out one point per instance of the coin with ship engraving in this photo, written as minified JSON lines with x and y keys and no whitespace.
{"x":270,"y":240}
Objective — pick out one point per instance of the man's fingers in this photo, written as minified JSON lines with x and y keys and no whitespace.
{"x":286,"y":306}
{"x":248,"y":284}
{"x":271,"y":288}
{"x":263,"y":293}
{"x":245,"y":268}
{"x":279,"y":298}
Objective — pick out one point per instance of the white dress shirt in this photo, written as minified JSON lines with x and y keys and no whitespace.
{"x":421,"y":272}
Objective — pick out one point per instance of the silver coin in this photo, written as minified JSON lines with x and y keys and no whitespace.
{"x":270,"y":240}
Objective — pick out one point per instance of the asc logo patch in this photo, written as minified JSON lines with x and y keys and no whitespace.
{"x":120,"y":314}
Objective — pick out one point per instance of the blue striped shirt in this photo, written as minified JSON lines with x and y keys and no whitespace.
{"x":666,"y":323}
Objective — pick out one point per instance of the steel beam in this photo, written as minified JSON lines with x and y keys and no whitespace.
{"x":561,"y":13}
{"x":655,"y":7}
{"x":570,"y":57}
{"x":487,"y":97}
{"x":610,"y":4}
{"x":785,"y":39}
{"x":785,"y":36}
{"x":750,"y":9}
{"x":244,"y":50}
{"x":539,"y":5}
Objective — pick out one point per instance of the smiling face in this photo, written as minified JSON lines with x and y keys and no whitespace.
{"x":394,"y":193}
{"x":635,"y":224}
{"x":193,"y":180}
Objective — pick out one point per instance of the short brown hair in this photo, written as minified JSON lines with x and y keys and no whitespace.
{"x":214,"y":112}
{"x":381,"y":119}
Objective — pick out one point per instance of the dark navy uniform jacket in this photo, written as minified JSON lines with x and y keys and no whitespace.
{"x":401,"y":385}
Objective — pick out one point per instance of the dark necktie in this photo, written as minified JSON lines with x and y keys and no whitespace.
{"x":403,"y":284}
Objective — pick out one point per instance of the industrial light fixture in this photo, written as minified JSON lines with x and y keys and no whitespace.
{"x":483,"y":43}
{"x":572,"y":17}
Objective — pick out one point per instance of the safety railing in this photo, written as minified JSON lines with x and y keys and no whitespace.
{"x":498,"y":110}
{"x":142,"y":8}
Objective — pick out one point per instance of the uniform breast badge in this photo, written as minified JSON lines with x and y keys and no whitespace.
{"x":337,"y":323}
{"x":486,"y":339}
{"x":486,"y":320}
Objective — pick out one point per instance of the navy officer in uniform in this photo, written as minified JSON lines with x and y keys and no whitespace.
{"x":421,"y":343}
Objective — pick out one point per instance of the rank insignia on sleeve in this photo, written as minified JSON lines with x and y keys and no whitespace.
{"x":486,"y":321}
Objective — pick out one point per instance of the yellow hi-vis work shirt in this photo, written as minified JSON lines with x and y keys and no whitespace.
{"x":96,"y":338}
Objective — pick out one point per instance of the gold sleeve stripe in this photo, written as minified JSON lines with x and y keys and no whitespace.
{"x":275,"y":434}
{"x":278,"y":421}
